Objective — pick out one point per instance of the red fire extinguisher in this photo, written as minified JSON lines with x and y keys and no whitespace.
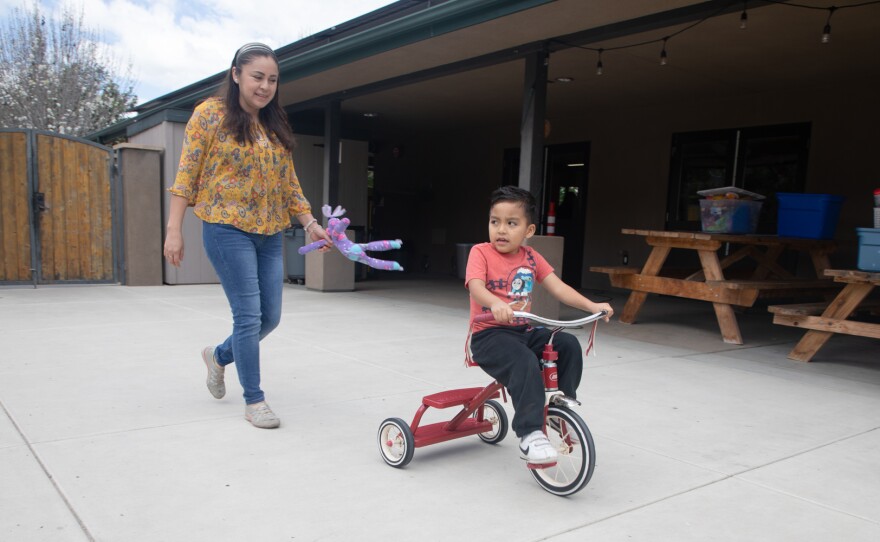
{"x":551,"y":219}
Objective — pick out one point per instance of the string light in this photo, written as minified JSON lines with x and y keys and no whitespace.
{"x":743,"y":23}
{"x":826,"y":32}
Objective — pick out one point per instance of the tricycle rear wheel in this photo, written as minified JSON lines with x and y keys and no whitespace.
{"x":396,"y":442}
{"x":493,"y":412}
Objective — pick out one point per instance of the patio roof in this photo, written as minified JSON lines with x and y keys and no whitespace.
{"x":419,"y":61}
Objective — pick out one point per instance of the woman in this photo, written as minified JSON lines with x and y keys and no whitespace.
{"x":236,"y":171}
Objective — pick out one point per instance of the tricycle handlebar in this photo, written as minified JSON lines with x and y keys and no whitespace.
{"x":488,"y":317}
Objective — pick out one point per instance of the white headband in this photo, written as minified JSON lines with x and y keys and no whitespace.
{"x":249,"y":47}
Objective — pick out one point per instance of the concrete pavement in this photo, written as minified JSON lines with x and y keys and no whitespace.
{"x":108,"y":433}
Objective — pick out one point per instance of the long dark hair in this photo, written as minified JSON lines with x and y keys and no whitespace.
{"x":238,"y":122}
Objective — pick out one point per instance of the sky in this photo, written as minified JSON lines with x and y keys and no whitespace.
{"x":171,"y":43}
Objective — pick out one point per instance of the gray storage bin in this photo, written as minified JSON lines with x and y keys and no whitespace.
{"x":294,"y":262}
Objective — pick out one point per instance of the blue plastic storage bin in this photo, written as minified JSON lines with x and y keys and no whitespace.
{"x":869,"y":249}
{"x":813,"y":216}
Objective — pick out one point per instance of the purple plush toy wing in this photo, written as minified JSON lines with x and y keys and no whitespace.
{"x":357,"y":252}
{"x":387,"y":265}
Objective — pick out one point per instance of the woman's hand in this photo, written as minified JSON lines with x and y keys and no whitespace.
{"x":173,"y":250}
{"x":317,"y":233}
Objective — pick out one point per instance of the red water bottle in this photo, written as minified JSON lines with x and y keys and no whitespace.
{"x":551,"y":375}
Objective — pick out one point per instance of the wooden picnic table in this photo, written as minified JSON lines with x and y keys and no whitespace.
{"x":822,"y":320}
{"x":769,"y":278}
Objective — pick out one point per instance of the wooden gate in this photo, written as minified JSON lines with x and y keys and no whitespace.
{"x":57,"y":198}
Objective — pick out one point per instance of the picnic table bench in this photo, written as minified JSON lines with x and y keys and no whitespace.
{"x":768,"y":280}
{"x":822,"y":320}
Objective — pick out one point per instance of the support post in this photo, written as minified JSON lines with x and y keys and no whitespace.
{"x":141,"y":172}
{"x":330,"y":271}
{"x":531,"y":160}
{"x":330,"y":192}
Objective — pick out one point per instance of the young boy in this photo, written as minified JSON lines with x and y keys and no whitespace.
{"x":500,"y":277}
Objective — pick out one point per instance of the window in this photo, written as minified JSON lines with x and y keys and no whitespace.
{"x":765,"y":160}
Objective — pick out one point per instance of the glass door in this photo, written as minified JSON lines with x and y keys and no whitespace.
{"x":565,"y":184}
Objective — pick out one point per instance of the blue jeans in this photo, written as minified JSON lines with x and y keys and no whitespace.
{"x":252,"y":274}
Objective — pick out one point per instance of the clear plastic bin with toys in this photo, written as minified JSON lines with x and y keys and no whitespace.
{"x":730,"y":210}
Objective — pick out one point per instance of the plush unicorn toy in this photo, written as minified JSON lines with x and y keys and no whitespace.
{"x":355,"y":252}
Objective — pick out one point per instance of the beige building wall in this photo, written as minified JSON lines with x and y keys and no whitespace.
{"x":309,"y":162}
{"x":196,"y":268}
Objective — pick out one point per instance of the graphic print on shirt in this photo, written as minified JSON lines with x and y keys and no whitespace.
{"x":521,"y":283}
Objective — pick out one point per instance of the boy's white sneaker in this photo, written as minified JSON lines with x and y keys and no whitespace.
{"x":535,"y":448}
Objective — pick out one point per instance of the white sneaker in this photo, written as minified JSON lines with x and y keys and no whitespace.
{"x":535,"y":448}
{"x":215,"y":382}
{"x":260,"y":415}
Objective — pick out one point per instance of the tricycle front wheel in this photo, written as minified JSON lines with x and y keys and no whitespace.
{"x":396,"y":442}
{"x":569,"y":434}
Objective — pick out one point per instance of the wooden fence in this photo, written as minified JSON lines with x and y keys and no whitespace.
{"x":56,"y":209}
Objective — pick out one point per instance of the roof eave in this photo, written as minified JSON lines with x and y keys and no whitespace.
{"x":394,"y":26}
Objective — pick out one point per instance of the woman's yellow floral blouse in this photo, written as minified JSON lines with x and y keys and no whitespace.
{"x":252,"y":187}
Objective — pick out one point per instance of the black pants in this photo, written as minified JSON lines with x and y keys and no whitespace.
{"x":510,"y":356}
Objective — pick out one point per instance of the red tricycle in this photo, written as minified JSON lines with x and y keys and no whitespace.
{"x":482,"y":415}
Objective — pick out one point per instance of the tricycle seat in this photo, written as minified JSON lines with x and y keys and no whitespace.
{"x":446,"y":399}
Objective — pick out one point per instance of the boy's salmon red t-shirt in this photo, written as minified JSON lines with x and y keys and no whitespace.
{"x":510,"y":277}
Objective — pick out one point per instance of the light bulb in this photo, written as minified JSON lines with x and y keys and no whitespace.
{"x":599,"y":67}
{"x":826,"y":32}
{"x":663,"y":57}
{"x":743,"y":19}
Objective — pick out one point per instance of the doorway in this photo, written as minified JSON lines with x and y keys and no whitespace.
{"x":566,"y":172}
